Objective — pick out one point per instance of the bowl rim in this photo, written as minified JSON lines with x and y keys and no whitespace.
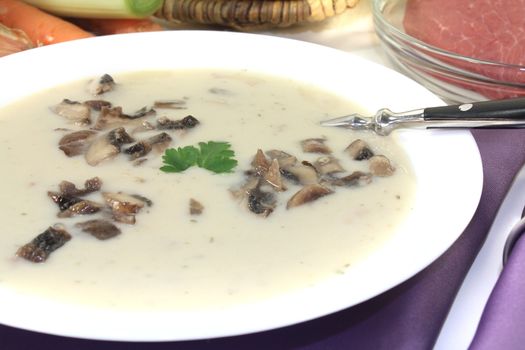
{"x":359,"y":79}
{"x":380,"y":20}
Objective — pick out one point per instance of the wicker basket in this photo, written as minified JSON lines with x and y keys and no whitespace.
{"x":251,"y":14}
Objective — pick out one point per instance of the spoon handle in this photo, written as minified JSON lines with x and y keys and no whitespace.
{"x":490,"y":111}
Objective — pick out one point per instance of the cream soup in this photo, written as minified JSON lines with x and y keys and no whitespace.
{"x":170,"y":259}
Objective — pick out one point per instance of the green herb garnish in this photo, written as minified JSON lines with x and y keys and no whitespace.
{"x":211,"y":155}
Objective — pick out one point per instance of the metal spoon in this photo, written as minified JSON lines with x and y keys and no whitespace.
{"x":500,"y":114}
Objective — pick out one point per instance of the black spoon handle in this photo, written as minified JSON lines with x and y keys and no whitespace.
{"x":496,"y":110}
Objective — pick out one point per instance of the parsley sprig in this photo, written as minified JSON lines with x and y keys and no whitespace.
{"x":214,"y":156}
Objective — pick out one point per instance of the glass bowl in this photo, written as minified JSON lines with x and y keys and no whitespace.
{"x":453,"y":77}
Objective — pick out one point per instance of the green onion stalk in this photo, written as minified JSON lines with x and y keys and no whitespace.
{"x":99,"y":8}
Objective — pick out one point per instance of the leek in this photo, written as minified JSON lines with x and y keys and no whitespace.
{"x":99,"y":8}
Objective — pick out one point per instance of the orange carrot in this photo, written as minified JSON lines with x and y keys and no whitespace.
{"x":42,"y":28}
{"x":13,"y":40}
{"x":106,"y":26}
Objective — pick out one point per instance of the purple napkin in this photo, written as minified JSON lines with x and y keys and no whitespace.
{"x":406,"y":317}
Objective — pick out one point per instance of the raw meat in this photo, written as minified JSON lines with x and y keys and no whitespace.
{"x":492,"y":30}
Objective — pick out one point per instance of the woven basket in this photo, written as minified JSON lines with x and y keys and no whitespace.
{"x":251,"y":14}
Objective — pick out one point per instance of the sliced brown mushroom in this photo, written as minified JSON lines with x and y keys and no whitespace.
{"x":76,"y":142}
{"x":273,"y":176}
{"x":285,"y":160}
{"x":188,"y":122}
{"x":354,"y":179}
{"x":109,"y":117}
{"x":258,"y":199}
{"x":114,"y":116}
{"x":84,"y":207}
{"x":260,"y":163}
{"x":143,"y":112}
{"x":73,"y":111}
{"x":261,"y":202}
{"x":40,"y":247}
{"x":300,"y":173}
{"x":142,"y":148}
{"x":308,"y":194}
{"x":380,"y":166}
{"x":64,"y":201}
{"x":70,"y":189}
{"x":328,"y":165}
{"x":359,"y":150}
{"x":101,"y":85}
{"x":170,"y":104}
{"x":124,"y":218}
{"x":119,"y":136}
{"x":315,"y":145}
{"x":123,"y":206}
{"x":107,"y":146}
{"x":99,"y":228}
{"x":196,"y":208}
{"x":97,"y":105}
{"x":100,"y":150}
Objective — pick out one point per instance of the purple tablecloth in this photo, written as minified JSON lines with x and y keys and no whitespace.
{"x":408,"y":316}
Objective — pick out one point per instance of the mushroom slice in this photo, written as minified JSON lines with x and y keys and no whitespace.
{"x":70,"y":205}
{"x":69,"y":189}
{"x":261,"y":202}
{"x":118,"y":137}
{"x":260,"y":163}
{"x":123,"y":203}
{"x":273,"y":176}
{"x":124,"y":218}
{"x":101,"y":85}
{"x":196,"y":208}
{"x":328,"y":165}
{"x":74,"y":111}
{"x":100,"y":229}
{"x":64,"y":201}
{"x":97,"y":104}
{"x":354,"y":179}
{"x":187,"y":122}
{"x":123,"y":206}
{"x":307,"y":194}
{"x":100,"y":150}
{"x":84,"y":207}
{"x":109,"y":116}
{"x":315,"y":145}
{"x":380,"y":166}
{"x":107,"y":146}
{"x":143,"y":112}
{"x":76,"y":142}
{"x":39,"y":249}
{"x":300,"y":174}
{"x":359,"y":150}
{"x":142,"y":148}
{"x":113,"y":116}
{"x":170,"y":104}
{"x":284,"y":159}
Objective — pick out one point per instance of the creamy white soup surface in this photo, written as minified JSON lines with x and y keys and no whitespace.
{"x":172,"y":260}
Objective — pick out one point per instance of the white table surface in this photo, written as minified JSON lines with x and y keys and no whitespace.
{"x":353,"y":32}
